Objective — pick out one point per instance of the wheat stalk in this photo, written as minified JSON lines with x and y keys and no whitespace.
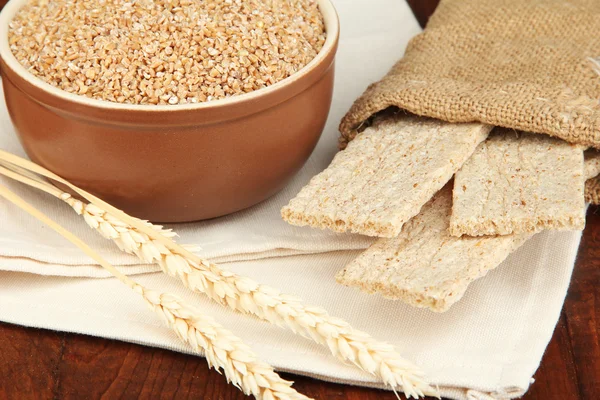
{"x":223,"y":350}
{"x":151,"y":244}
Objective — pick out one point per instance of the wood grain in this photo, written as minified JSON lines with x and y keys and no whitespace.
{"x":29,"y":360}
{"x":582,"y":310}
{"x":41,"y":364}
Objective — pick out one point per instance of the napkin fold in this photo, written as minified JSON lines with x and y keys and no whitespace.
{"x":487,"y":346}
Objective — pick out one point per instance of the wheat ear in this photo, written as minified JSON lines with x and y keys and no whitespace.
{"x":243,"y":294}
{"x":223,"y":350}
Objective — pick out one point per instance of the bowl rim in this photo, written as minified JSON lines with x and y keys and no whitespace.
{"x":331,"y":22}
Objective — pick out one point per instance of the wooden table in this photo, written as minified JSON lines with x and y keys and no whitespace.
{"x":41,"y":364}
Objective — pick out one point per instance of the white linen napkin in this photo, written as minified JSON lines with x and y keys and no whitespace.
{"x":487,"y":346}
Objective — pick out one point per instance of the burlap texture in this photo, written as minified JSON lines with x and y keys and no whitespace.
{"x":592,"y":190}
{"x":522,"y":64}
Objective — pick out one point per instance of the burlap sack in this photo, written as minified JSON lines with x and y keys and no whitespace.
{"x":592,"y":190}
{"x":522,"y":64}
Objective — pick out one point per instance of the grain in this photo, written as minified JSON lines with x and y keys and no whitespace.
{"x":165,"y":52}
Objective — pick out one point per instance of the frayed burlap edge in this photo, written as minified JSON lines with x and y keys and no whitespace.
{"x":592,"y":190}
{"x":579,"y":120}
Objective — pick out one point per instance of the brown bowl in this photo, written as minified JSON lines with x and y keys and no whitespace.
{"x":174,"y":163}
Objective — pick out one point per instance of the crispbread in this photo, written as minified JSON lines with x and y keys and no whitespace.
{"x":385,"y":175}
{"x":424,"y":266}
{"x":519,"y":182}
{"x":591,"y":163}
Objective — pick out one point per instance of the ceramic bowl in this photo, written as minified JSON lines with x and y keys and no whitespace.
{"x":174,"y":163}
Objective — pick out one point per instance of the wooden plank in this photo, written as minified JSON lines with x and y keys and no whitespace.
{"x":423,"y":9}
{"x":28,"y":362}
{"x":582,"y":309}
{"x":557,"y":375}
{"x":98,"y":368}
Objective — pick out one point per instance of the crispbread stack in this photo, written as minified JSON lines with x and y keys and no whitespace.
{"x":385,"y":175}
{"x":434,"y":243}
{"x":425,"y":266}
{"x":515,"y":64}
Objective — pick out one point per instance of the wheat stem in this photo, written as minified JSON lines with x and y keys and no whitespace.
{"x":150,"y":244}
{"x":223,"y":350}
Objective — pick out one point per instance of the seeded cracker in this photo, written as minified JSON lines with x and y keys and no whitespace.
{"x":385,"y":175}
{"x":424,"y":266}
{"x":519,"y":183}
